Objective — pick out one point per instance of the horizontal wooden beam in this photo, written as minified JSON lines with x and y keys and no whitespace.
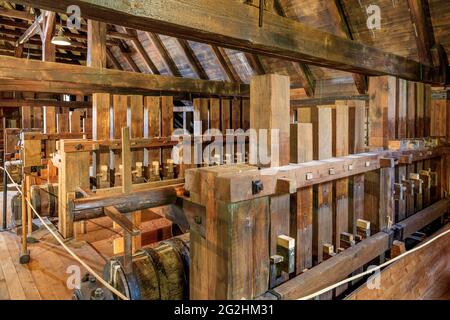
{"x":204,"y":21}
{"x":299,"y":103}
{"x":42,"y":76}
{"x":16,"y":14}
{"x":44,"y":102}
{"x":93,"y":207}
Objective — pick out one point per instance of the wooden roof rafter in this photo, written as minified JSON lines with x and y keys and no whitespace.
{"x":164,"y":53}
{"x":306,"y":76}
{"x":225,"y":63}
{"x":338,"y":14}
{"x":193,"y":60}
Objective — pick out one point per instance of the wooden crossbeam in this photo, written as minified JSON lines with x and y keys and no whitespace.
{"x":16,"y":14}
{"x":43,"y":102}
{"x":424,"y":34}
{"x":34,"y":29}
{"x":278,"y":37}
{"x":46,"y":76}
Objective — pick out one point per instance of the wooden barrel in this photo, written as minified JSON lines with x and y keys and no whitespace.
{"x":44,"y":199}
{"x":160,"y":273}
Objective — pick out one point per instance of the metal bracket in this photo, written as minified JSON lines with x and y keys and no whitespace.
{"x":257,"y":187}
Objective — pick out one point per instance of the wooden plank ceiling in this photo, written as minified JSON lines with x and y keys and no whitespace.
{"x":146,"y":52}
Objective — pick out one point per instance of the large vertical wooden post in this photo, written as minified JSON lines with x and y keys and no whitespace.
{"x":382,"y":108}
{"x":73,"y":174}
{"x":340,"y":148}
{"x":269,"y":109}
{"x":323,"y":193}
{"x":302,"y":202}
{"x":49,"y":55}
{"x":357,"y":120}
{"x":101,"y":102}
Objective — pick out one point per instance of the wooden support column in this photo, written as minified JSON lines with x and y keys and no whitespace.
{"x":229,"y":241}
{"x":357,"y":143}
{"x":378,"y":198}
{"x":301,"y":222}
{"x":411,"y":112}
{"x":120,"y":110}
{"x":96,"y":37}
{"x":382,"y":108}
{"x":323,"y":193}
{"x":49,"y":55}
{"x":101,"y":102}
{"x":166,"y":131}
{"x":269,"y":109}
{"x":73,"y":174}
{"x":153,"y":109}
{"x":357,"y":123}
{"x":341,"y":140}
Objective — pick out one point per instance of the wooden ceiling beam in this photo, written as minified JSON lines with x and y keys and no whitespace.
{"x":421,"y":19}
{"x":306,"y":76}
{"x":255,"y":63}
{"x":225,"y":64}
{"x":34,"y":29}
{"x":127,"y":55}
{"x":43,"y":102}
{"x":142,"y":52}
{"x":16,"y":14}
{"x":193,"y":60}
{"x":337,"y":12}
{"x":278,"y":37}
{"x":164,"y":53}
{"x":112,"y":58}
{"x":41,"y":76}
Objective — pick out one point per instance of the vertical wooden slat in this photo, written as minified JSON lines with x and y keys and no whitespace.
{"x":153,"y":107}
{"x":382,"y":107}
{"x":323,"y":193}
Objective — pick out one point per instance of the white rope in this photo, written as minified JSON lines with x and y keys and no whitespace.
{"x":61,"y":242}
{"x":311,"y":296}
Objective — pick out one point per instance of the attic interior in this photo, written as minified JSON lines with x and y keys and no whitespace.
{"x":225,"y":150}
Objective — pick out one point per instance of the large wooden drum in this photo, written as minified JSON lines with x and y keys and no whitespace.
{"x":160,"y":273}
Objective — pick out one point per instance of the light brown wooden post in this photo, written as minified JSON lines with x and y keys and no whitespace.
{"x":166,"y":127}
{"x":73,"y":174}
{"x":153,"y":109}
{"x":101,"y":102}
{"x":220,"y":269}
{"x":26,"y":117}
{"x":382,"y":108}
{"x":120,"y":109}
{"x":357,"y":120}
{"x":269,"y":109}
{"x":341,"y":147}
{"x":323,"y":193}
{"x":301,"y":223}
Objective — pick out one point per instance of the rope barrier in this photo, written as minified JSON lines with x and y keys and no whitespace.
{"x":311,"y":296}
{"x":61,"y":242}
